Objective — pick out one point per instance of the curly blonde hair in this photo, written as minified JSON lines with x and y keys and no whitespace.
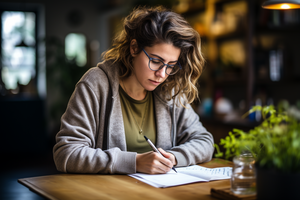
{"x":150,"y":26}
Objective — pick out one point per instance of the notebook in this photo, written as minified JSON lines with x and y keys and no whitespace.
{"x":185,"y":175}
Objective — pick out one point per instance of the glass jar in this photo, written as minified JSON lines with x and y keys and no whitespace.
{"x":243,"y":178}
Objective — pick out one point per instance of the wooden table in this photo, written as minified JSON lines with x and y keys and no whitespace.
{"x":95,"y":186}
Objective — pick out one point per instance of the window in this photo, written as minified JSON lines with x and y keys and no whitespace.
{"x":18,"y":53}
{"x":75,"y":48}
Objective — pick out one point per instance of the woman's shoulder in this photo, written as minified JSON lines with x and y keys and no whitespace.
{"x":100,"y":79}
{"x":98,"y":74}
{"x":94,"y":78}
{"x":93,"y":75}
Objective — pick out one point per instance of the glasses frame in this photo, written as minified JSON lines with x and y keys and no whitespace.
{"x":162,"y":66}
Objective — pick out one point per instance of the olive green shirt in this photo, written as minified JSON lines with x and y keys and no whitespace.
{"x":138,"y":115}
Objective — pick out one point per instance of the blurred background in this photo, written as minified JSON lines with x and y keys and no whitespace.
{"x":46,"y":46}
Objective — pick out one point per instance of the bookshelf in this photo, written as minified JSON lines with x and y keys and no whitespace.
{"x":252,"y":58}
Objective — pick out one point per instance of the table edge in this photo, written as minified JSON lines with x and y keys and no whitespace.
{"x":35,"y":189}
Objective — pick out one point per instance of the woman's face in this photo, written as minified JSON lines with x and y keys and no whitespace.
{"x":147,"y":78}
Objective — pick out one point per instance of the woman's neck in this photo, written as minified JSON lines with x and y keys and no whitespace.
{"x":133,"y":88}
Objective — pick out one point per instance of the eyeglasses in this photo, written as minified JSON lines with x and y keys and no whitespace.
{"x":156,"y":64}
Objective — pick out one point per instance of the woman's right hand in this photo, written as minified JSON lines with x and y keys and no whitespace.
{"x":152,"y":163}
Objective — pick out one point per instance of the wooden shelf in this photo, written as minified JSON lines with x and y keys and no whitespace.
{"x":278,"y":30}
{"x":194,"y":8}
{"x":226,"y":1}
{"x":256,"y":34}
{"x":231,"y":36}
{"x":284,"y":81}
{"x":238,"y":83}
{"x":193,"y":11}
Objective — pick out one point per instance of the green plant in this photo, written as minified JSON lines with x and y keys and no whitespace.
{"x":62,"y":76}
{"x":274,"y":143}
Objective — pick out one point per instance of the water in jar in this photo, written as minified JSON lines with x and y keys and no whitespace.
{"x":243,"y":179}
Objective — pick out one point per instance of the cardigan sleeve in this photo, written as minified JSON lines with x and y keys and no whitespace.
{"x":76,"y":149}
{"x":194,"y":144}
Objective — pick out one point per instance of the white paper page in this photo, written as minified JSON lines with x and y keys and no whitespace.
{"x":207,"y":173}
{"x":167,"y":180}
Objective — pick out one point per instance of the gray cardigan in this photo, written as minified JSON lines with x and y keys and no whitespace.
{"x":83,"y":147}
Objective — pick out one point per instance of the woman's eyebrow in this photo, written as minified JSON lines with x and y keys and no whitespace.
{"x":162,"y":58}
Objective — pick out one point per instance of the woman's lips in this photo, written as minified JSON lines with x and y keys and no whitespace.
{"x":154,"y":82}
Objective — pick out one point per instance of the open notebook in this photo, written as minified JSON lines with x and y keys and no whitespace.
{"x":184,"y":176}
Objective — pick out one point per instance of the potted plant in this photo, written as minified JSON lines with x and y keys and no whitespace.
{"x":275,"y":146}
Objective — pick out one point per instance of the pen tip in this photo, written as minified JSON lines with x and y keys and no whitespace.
{"x":145,"y":137}
{"x":174,"y":169}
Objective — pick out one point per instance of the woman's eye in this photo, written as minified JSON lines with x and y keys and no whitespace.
{"x":156,"y":62}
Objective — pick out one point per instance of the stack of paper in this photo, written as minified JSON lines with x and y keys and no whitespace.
{"x":185,"y":175}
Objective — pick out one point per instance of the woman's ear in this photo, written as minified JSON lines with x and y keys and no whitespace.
{"x":133,"y":47}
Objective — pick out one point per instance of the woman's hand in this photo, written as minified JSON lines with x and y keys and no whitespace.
{"x":153,"y":163}
{"x":170,"y":156}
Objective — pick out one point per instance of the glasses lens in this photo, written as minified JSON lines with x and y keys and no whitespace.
{"x":171,"y":70}
{"x":155,"y":64}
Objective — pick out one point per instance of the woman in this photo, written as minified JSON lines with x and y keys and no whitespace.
{"x":142,"y":88}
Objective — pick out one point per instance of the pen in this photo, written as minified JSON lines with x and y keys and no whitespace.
{"x":155,"y":149}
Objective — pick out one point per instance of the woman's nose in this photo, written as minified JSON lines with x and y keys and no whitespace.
{"x":162,"y":72}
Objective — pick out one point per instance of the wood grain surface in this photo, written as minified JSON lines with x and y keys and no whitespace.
{"x":95,"y":186}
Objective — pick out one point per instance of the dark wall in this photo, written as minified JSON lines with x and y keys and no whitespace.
{"x":22,"y":127}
